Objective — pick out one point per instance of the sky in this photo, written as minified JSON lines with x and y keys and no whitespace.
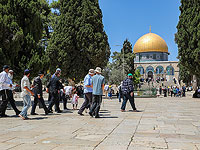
{"x":132,"y":19}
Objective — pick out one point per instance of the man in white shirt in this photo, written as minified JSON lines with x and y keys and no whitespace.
{"x":4,"y":87}
{"x":68,"y":94}
{"x":26,"y":91}
{"x":10,"y":94}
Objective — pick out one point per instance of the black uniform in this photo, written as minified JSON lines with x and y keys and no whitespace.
{"x":54,"y":86}
{"x":38,"y":90}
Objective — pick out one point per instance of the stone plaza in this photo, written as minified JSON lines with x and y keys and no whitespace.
{"x":163,"y":123}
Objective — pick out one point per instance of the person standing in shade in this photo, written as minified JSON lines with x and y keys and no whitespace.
{"x":4,"y":88}
{"x":98,"y":83}
{"x":38,"y":94}
{"x":53,"y":88}
{"x":26,"y":91}
{"x":127,"y":90}
{"x":87,"y":91}
{"x":10,"y":93}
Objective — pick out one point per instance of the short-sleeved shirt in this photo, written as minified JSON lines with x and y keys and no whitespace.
{"x":68,"y":90}
{"x":88,"y":81}
{"x":25,"y":82}
{"x":97,"y":81}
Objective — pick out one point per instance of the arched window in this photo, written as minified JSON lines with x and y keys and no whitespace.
{"x":141,"y":69}
{"x":149,"y":68}
{"x":159,"y":70}
{"x":170,"y":70}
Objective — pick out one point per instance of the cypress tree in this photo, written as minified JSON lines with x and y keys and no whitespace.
{"x":188,"y":36}
{"x":21,"y":31}
{"x":79,"y":41}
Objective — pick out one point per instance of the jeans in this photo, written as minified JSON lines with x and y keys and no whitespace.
{"x":27,"y":105}
{"x":131,"y":100}
{"x":96,"y":103}
{"x":120,"y":96}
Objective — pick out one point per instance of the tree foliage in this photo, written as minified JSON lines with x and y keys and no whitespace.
{"x":22,"y":23}
{"x":184,"y":74}
{"x":188,"y":37}
{"x":123,"y":60}
{"x":79,"y":41}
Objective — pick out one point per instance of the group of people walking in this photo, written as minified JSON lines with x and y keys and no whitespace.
{"x":94,"y":84}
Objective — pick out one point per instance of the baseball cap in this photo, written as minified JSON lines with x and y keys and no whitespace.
{"x":11,"y":71}
{"x":130,"y":74}
{"x":98,"y":69}
{"x":26,"y":71}
{"x":5,"y":67}
{"x":58,"y":69}
{"x":91,"y":71}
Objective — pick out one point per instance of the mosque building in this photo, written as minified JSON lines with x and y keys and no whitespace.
{"x":152,"y":58}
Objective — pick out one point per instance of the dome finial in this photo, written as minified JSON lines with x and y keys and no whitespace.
{"x":150,"y":29}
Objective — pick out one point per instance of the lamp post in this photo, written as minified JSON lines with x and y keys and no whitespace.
{"x":123,"y":57}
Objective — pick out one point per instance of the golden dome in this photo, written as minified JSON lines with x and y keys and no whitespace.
{"x":150,"y":42}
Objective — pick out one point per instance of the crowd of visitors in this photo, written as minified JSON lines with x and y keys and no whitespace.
{"x":171,"y":91}
{"x":93,"y":91}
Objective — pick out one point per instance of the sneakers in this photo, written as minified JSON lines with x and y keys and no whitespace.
{"x":122,"y":110}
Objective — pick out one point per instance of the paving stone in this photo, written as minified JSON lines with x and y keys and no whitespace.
{"x":163,"y":124}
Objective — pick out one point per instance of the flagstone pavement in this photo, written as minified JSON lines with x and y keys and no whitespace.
{"x":164,"y":123}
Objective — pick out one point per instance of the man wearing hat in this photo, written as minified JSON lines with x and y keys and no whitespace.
{"x":87,"y":91}
{"x":127,"y":90}
{"x":4,"y":87}
{"x":38,"y":94}
{"x":10,"y":93}
{"x":98,"y":83}
{"x":26,"y":94}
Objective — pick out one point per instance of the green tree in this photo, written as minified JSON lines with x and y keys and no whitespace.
{"x":79,"y":41}
{"x":22,"y":23}
{"x":184,"y":74}
{"x":188,"y":37}
{"x":122,"y":64}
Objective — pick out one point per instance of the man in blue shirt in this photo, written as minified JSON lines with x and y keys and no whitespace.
{"x":98,"y":83}
{"x":87,"y":91}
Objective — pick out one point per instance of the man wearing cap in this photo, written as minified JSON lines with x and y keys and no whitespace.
{"x":87,"y":91}
{"x":10,"y":93}
{"x":26,"y":94}
{"x":4,"y":87}
{"x":127,"y":90}
{"x":98,"y":83}
{"x":38,"y":94}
